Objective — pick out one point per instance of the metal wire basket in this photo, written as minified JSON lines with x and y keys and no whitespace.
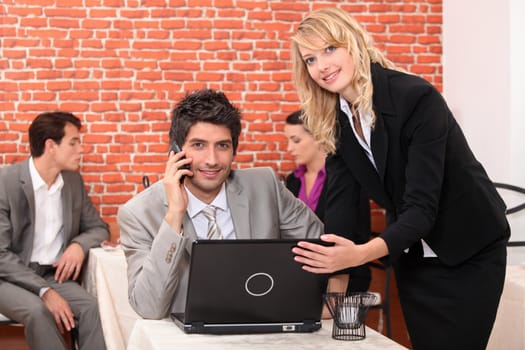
{"x":349,"y":314}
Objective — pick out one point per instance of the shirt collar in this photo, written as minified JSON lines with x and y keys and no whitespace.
{"x":39,"y":183}
{"x":345,"y":107}
{"x":300,"y":171}
{"x":195,"y":205}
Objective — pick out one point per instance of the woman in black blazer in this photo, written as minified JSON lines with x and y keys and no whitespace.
{"x":392,"y":134}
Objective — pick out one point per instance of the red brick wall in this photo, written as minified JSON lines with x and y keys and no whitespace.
{"x":122,"y":65}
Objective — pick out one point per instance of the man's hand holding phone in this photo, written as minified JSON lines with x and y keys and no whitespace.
{"x":174,"y":149}
{"x":177,"y":167}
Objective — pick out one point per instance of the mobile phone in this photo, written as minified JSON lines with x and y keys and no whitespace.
{"x":176,"y":149}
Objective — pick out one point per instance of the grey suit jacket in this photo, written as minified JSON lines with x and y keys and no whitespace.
{"x":82,"y":223}
{"x":158,"y":257}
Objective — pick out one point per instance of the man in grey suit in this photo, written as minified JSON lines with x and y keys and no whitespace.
{"x":159,"y":224}
{"x":47,"y":225}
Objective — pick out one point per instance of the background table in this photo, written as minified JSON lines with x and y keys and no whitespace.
{"x":164,"y":334}
{"x":106,"y":278}
{"x":509,"y":328}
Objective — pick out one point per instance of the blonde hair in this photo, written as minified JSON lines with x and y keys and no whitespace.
{"x":334,"y":27}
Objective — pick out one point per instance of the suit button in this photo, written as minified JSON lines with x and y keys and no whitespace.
{"x":172,"y":250}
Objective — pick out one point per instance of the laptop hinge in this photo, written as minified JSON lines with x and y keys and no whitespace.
{"x":197,"y":325}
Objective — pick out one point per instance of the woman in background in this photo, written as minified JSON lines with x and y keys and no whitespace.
{"x":307,"y":182}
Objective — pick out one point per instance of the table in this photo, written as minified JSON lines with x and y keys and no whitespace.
{"x":164,"y":334}
{"x":509,"y":328}
{"x":105,"y":278}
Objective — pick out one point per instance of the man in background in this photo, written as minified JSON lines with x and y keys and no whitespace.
{"x":47,"y":225}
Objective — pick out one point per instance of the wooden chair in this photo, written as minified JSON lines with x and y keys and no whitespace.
{"x":383,"y":303}
{"x":378,"y":225}
{"x":508,"y":189}
{"x":4,"y":321}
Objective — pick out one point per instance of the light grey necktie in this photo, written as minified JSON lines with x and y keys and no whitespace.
{"x":213,"y":229}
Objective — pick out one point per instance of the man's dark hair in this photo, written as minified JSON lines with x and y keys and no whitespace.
{"x":295,"y":118}
{"x":208,"y":106}
{"x":49,"y":125}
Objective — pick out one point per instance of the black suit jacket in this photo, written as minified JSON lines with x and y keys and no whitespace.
{"x":427,"y":178}
{"x":360,"y":275}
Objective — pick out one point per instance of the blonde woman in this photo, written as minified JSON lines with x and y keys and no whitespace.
{"x":392,"y":134}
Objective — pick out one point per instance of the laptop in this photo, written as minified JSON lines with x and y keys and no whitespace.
{"x":250,"y":286}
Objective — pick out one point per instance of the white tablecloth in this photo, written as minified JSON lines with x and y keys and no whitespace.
{"x":509,"y":328}
{"x":164,"y":334}
{"x":106,"y":278}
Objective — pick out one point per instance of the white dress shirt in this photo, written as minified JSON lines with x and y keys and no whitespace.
{"x":223,"y":215}
{"x":49,"y":221}
{"x":366,"y":118}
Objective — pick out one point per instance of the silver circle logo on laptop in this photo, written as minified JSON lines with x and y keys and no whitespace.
{"x":259,"y":284}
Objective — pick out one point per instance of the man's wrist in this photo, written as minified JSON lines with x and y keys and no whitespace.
{"x":43,"y":291}
{"x":174,"y":221}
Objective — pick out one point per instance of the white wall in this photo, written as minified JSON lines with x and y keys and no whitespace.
{"x":483,"y":82}
{"x":517,"y":64}
{"x":476,"y":79}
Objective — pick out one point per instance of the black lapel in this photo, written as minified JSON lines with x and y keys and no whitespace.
{"x":379,"y":145}
{"x":382,"y":106}
{"x":356,"y":160}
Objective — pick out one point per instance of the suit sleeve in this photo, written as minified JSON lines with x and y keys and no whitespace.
{"x":12,"y":268}
{"x":92,"y":230}
{"x":156,"y":261}
{"x":347,"y":210}
{"x":424,"y":143}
